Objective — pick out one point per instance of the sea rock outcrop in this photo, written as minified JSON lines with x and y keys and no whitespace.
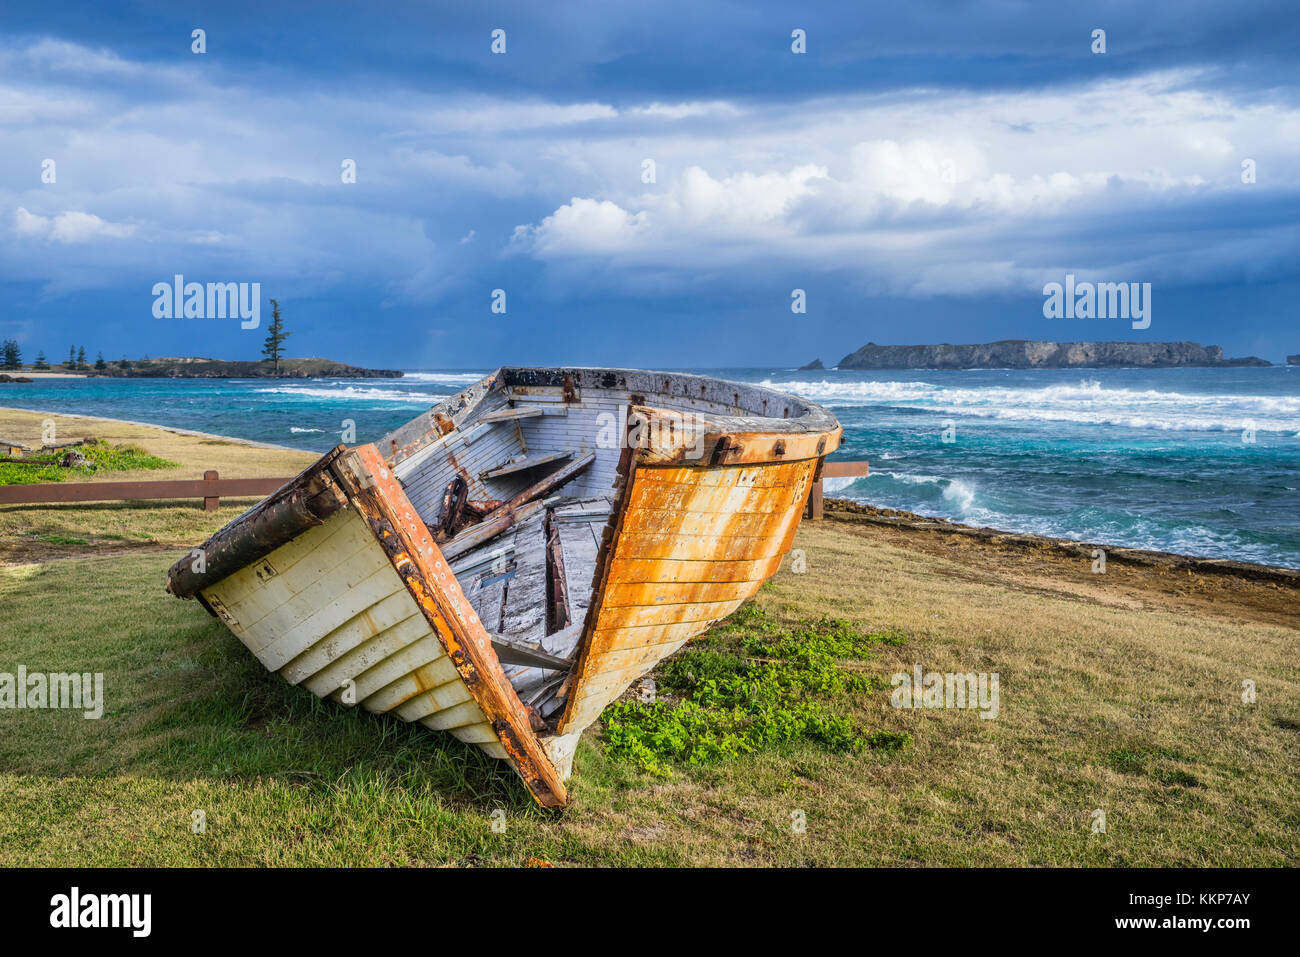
{"x":1032,"y":354}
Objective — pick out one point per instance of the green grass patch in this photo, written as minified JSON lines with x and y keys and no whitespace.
{"x":1156,"y":763}
{"x":100,"y":457}
{"x":749,"y":685}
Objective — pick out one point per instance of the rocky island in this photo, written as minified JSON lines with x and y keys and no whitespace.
{"x":1031,"y":354}
{"x":172,"y":367}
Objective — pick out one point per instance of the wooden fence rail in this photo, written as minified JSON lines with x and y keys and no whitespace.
{"x":210,"y":488}
{"x":816,"y":507}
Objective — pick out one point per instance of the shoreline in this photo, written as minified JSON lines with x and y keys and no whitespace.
{"x":29,"y":374}
{"x":1036,"y":567}
{"x":1118,"y":689}
{"x":175,"y":430}
{"x":1115,"y":554}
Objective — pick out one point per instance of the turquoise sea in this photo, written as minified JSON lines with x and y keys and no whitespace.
{"x":1197,"y":461}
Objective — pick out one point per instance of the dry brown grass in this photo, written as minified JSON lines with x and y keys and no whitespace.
{"x":1112,"y":697}
{"x":194,"y":453}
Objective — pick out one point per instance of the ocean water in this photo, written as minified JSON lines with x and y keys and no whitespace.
{"x":1196,"y":461}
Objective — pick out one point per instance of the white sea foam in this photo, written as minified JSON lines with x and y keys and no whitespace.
{"x":960,"y":495}
{"x":444,"y":378}
{"x":1088,"y":402}
{"x":354,"y":392}
{"x":1135,"y":531}
{"x":832,"y":485}
{"x":908,"y":478}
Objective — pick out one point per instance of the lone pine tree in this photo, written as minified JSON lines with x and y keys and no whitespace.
{"x":275,"y":337}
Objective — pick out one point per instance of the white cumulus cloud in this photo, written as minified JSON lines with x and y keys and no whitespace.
{"x":68,"y":227}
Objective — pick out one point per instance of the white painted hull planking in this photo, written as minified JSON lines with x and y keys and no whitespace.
{"x":329,"y":612}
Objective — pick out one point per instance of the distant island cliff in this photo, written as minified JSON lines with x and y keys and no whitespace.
{"x":172,"y":367}
{"x":1030,"y":354}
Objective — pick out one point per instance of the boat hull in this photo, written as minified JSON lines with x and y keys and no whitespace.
{"x":691,"y":545}
{"x":338,"y":584}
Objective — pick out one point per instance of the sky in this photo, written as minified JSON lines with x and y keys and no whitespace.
{"x":647,"y":184}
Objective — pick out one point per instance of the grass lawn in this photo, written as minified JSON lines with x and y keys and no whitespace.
{"x":1136,"y":713}
{"x":100,"y":457}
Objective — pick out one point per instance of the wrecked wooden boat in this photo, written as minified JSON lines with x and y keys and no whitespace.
{"x":508,"y":563}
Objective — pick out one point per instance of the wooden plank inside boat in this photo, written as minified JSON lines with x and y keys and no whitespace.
{"x":519,"y":465}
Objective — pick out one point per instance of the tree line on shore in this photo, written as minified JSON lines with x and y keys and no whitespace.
{"x":11,"y":356}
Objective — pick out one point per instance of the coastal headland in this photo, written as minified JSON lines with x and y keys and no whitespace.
{"x":1032,"y":354}
{"x":195,"y":367}
{"x":173,"y":367}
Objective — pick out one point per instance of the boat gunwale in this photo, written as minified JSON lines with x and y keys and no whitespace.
{"x":303,"y":502}
{"x":705,"y":445}
{"x":643,"y":387}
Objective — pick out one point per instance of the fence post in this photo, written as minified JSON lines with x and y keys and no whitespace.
{"x":211,"y":502}
{"x":815,"y":506}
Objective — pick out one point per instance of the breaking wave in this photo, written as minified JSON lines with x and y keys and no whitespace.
{"x":444,"y":378}
{"x":353,"y":392}
{"x":1087,"y":403}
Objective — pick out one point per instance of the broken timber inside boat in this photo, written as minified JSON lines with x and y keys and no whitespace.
{"x":508,"y":563}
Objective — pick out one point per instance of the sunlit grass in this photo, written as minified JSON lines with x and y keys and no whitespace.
{"x":99,"y":457}
{"x":1132,"y":712}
